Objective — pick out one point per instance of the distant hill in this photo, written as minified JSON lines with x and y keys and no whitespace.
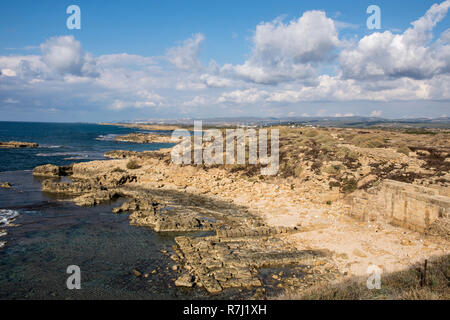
{"x":350,"y":122}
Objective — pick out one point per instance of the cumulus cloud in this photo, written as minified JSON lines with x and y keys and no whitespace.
{"x":186,"y":56}
{"x":8,"y":72}
{"x":286,"y":51}
{"x":124,"y":60}
{"x":65,"y":55}
{"x":445,"y":36}
{"x":123,"y":104}
{"x":410,"y":54}
{"x":196,"y":101}
{"x":252,"y":95}
{"x":215,"y":81}
{"x":286,"y":68}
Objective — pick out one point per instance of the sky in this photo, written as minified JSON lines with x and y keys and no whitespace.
{"x":137,"y":60}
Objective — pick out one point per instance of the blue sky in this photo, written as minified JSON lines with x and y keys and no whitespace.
{"x":168,"y":59}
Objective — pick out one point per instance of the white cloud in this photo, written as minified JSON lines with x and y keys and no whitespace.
{"x":118,"y":104}
{"x":215,"y":81}
{"x":186,"y":57}
{"x":376,"y":113}
{"x":309,"y":38}
{"x":387,"y":55}
{"x":340,"y":115}
{"x":65,"y":55}
{"x":196,"y":101}
{"x":8,"y":73}
{"x":286,"y":51}
{"x":252,"y":95}
{"x":286,"y":69}
{"x":445,"y":36}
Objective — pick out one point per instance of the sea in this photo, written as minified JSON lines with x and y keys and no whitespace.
{"x":42,"y":235}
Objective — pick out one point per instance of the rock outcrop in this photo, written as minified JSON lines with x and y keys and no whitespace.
{"x":18,"y":144}
{"x":6,"y":185}
{"x":144,"y":138}
{"x":245,"y":222}
{"x":409,"y":206}
{"x":219,"y":263}
{"x":50,"y":170}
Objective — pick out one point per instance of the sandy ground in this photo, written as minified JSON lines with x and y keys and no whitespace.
{"x":355,"y":245}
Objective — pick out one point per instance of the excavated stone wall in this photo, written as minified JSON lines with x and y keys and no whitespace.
{"x":409,"y":206}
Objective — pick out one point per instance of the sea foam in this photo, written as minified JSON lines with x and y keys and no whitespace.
{"x":7,"y":216}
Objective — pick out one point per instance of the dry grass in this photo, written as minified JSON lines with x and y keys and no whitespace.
{"x":404,"y":149}
{"x":133,"y":164}
{"x":368,"y":141}
{"x":403,"y":285}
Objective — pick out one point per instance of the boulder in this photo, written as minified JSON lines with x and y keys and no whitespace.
{"x":185,"y":280}
{"x":18,"y":144}
{"x":367,"y":180}
{"x":6,"y":185}
{"x":50,"y":170}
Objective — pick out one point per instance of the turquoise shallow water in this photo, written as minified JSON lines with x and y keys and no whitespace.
{"x":51,"y":234}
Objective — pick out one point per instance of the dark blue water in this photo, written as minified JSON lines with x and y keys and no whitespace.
{"x":45,"y":235}
{"x":63,"y":143}
{"x":51,"y":234}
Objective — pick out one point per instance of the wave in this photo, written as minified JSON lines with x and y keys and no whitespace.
{"x":78,"y":157}
{"x":107,"y":137}
{"x":73,"y":155}
{"x":45,"y":146}
{"x":55,"y":154}
{"x":7,"y":216}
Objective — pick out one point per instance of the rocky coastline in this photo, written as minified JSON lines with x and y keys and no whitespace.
{"x":144,"y":138}
{"x":17,"y":145}
{"x":248,"y":228}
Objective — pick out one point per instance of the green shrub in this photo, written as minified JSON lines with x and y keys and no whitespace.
{"x":333,"y":169}
{"x":120,"y":170}
{"x":298,"y":170}
{"x":133,"y":164}
{"x":368,"y":141}
{"x":334,"y":184}
{"x":349,"y":185}
{"x":311,"y":133}
{"x":404,"y":149}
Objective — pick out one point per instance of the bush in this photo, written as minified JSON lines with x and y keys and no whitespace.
{"x":133,"y":164}
{"x":334,"y":184}
{"x":120,"y":170}
{"x":334,"y":169}
{"x":298,"y":171}
{"x":311,"y":133}
{"x":404,"y":149}
{"x":349,"y":185}
{"x":402,"y":285}
{"x":368,"y":141}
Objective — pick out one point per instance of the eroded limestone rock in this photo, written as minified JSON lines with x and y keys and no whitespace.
{"x":18,"y":144}
{"x":219,"y":263}
{"x":50,"y":170}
